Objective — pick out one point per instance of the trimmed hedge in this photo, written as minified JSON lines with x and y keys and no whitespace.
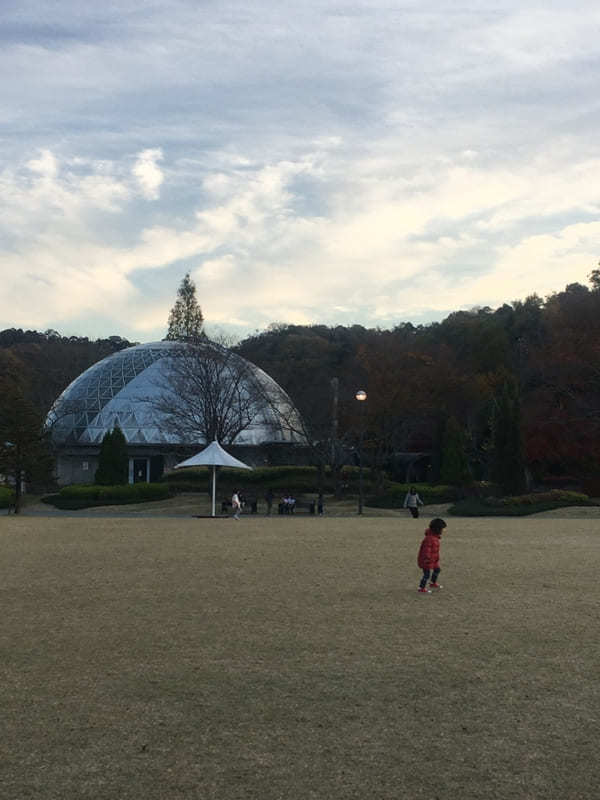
{"x":291,"y":478}
{"x":77,"y":496}
{"x":396,"y":492}
{"x":553,"y":496}
{"x":7,"y":497}
{"x":519,"y":505}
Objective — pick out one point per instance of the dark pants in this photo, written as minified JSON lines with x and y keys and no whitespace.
{"x":426,"y":574}
{"x":414,"y":510}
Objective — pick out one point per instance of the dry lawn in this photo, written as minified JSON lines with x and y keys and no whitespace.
{"x":292,"y":658}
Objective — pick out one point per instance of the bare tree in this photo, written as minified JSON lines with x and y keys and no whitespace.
{"x":208,"y":392}
{"x":317,"y":429}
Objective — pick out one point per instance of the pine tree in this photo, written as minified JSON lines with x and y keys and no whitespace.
{"x":113,"y":462}
{"x":120,"y":459}
{"x":455,"y":465}
{"x":507,"y":446}
{"x":185,"y":318}
{"x":102,"y":476}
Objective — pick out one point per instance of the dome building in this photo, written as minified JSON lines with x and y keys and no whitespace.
{"x":143,"y":391}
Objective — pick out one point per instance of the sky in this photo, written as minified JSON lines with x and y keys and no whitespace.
{"x":336,"y":162}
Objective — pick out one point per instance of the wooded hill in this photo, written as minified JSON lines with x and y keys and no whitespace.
{"x":45,"y":363}
{"x":449,"y":388}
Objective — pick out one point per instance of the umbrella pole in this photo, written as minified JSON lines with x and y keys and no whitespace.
{"x":214,"y":488}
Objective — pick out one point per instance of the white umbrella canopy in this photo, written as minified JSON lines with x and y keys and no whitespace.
{"x":213,"y":456}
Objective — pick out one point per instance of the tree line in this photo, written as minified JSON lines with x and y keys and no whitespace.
{"x":510,"y":395}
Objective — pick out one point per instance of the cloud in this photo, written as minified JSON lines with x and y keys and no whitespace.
{"x":342,"y":162}
{"x":45,"y":165}
{"x":536,"y":38}
{"x":148,"y":174}
{"x":390,"y":245}
{"x":541,"y":263}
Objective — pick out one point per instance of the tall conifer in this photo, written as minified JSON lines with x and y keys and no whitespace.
{"x":113,"y":462}
{"x":455,"y":464}
{"x":507,"y":445}
{"x":185,"y":318}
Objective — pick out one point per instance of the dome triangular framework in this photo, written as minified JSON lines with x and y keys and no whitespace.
{"x":122,"y":390}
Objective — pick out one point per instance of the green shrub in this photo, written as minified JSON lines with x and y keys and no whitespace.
{"x":7,"y":497}
{"x":186,"y":486}
{"x":81,"y":496}
{"x":293,"y":479}
{"x":482,"y":489}
{"x":396,"y":492}
{"x":518,"y":505}
{"x":553,"y":496}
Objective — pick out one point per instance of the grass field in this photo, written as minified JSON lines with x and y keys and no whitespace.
{"x":293,"y":659}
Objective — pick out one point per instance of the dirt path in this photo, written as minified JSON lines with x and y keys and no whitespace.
{"x":192,"y":505}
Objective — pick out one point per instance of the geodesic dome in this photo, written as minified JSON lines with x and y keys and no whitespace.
{"x":121,"y":390}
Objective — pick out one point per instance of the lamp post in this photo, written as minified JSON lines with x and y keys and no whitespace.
{"x":361,"y":396}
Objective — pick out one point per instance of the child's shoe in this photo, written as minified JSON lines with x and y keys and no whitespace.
{"x":435,"y":586}
{"x":424,"y":591}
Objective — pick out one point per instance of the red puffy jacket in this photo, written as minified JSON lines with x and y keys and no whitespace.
{"x":429,"y":552}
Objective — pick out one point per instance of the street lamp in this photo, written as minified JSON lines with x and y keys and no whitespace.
{"x":361,"y":396}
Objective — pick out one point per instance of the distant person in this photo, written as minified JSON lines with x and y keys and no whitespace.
{"x":269,"y":497}
{"x":236,"y":504}
{"x":320,"y":504}
{"x":429,"y":556}
{"x":412,"y":501}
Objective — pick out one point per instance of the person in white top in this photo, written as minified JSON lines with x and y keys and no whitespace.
{"x":236,"y":504}
{"x":412,"y":501}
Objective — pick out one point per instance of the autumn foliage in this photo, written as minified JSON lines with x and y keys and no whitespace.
{"x":504,"y":394}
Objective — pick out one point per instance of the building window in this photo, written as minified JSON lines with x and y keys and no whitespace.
{"x":85,"y":465}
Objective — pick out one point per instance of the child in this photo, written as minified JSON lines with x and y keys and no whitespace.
{"x":429,"y":555}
